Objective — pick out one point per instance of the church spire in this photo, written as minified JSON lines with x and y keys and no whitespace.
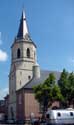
{"x":23,"y":29}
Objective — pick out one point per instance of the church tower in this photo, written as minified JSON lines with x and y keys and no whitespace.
{"x":23,"y":63}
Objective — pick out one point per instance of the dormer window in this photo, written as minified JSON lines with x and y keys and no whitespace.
{"x":28,"y":52}
{"x":18,"y":53}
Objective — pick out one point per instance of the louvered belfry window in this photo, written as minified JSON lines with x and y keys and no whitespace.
{"x":28,"y":52}
{"x":18,"y":53}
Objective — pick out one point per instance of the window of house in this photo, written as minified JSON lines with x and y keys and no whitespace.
{"x":18,"y":53}
{"x":58,"y":114}
{"x":47,"y":115}
{"x":28,"y":52}
{"x":71,"y":113}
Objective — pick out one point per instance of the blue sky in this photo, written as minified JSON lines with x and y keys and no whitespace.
{"x":51,"y":27}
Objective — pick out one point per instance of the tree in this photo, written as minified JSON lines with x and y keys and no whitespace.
{"x":71,"y":88}
{"x":50,"y":80}
{"x":56,"y":93}
{"x":64,"y":85}
{"x":42,"y":94}
{"x":47,"y":92}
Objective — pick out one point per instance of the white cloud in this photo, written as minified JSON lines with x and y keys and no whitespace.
{"x":3,"y":92}
{"x":3,"y":55}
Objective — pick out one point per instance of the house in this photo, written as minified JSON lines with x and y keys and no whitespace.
{"x":2,"y":106}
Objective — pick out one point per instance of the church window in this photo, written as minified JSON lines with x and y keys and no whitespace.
{"x":18,"y":53}
{"x":29,"y":77}
{"x":28,"y":52}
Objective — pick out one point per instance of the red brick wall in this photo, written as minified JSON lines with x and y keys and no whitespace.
{"x":31,"y":105}
{"x":20,"y":105}
{"x":27,"y":105}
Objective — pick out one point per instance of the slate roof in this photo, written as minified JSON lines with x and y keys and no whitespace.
{"x":23,"y":29}
{"x":43,"y":75}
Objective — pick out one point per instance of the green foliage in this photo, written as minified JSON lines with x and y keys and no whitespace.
{"x":42,"y":94}
{"x":71,"y":87}
{"x":50,"y":80}
{"x":66,"y":84}
{"x":38,"y":90}
{"x":63,"y":83}
{"x":56,"y":93}
{"x":47,"y":92}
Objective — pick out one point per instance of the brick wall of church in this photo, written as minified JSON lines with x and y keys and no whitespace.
{"x":31,"y":105}
{"x":26,"y":104}
{"x":20,"y":111}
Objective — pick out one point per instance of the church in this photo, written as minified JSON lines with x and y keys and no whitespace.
{"x":24,"y":73}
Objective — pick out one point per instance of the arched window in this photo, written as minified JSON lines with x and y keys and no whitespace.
{"x":29,"y":77}
{"x":18,"y":53}
{"x":28,"y":52}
